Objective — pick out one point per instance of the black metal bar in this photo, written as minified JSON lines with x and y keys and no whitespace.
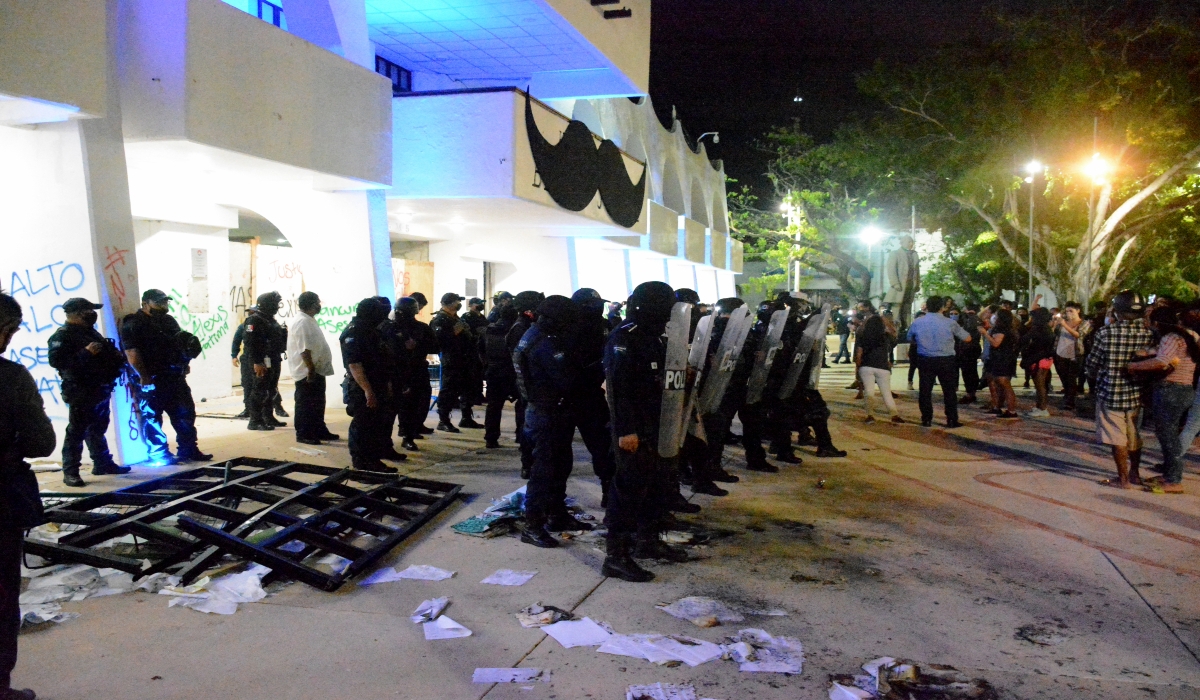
{"x":259,"y":554}
{"x":61,"y":553}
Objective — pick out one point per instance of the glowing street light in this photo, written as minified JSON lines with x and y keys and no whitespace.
{"x":1098,"y":169}
{"x":1033,"y":167}
{"x":871,"y":235}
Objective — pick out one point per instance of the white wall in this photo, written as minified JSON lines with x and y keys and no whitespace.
{"x":45,"y":227}
{"x":164,"y":262}
{"x":601,"y":266}
{"x":55,"y":52}
{"x":534,"y":261}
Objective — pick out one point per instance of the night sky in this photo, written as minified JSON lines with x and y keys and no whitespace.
{"x":734,"y":66}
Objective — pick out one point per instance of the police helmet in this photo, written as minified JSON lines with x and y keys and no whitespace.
{"x":651,"y":302}
{"x":1128,"y":301}
{"x":557,"y":311}
{"x":528,"y":301}
{"x":385,"y":303}
{"x":370,"y":310}
{"x":728,"y":304}
{"x":687,"y":296}
{"x":268,"y":302}
{"x":407,"y":306}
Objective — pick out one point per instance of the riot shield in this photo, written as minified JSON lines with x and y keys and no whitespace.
{"x":730,"y":350}
{"x":814,"y":377}
{"x":765,"y":357}
{"x":670,"y":421}
{"x":815,"y":329}
{"x":696,"y":357}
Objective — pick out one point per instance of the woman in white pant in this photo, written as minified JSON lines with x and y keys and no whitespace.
{"x":873,"y":356}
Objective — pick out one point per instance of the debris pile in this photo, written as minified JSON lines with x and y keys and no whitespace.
{"x":887,"y":678}
{"x":503,"y":516}
{"x":710,"y":612}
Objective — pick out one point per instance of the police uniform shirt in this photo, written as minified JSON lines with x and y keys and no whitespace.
{"x":156,"y":338}
{"x":264,"y":340}
{"x":543,"y":367}
{"x":634,"y":366}
{"x":362,"y":345}
{"x":68,"y":353}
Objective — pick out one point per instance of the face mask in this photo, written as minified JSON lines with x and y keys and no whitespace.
{"x":158,"y":311}
{"x":89,"y":317}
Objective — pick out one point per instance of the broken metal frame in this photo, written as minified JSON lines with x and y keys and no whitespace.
{"x":252,"y":508}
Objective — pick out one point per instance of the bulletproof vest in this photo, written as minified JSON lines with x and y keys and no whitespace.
{"x":499,"y":359}
{"x":534,"y":361}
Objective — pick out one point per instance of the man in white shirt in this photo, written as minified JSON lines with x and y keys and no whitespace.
{"x":310,"y":361}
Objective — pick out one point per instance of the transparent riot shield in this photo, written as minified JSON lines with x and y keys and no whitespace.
{"x":764,"y":358}
{"x":670,"y":422}
{"x":716,"y":381}
{"x":814,"y":330}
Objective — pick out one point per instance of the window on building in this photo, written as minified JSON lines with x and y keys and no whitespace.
{"x":270,"y":12}
{"x":400,"y":77}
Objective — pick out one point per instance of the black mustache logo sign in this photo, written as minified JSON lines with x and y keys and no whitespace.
{"x":575,"y":168}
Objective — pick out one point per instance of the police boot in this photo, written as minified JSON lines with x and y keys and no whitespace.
{"x":279,"y":410}
{"x":679,"y":504}
{"x":762,"y":466}
{"x":392,"y":455}
{"x":243,"y":415}
{"x":534,"y":533}
{"x":258,"y":425}
{"x":468,"y":421}
{"x":374,"y":466}
{"x":651,"y":547}
{"x":565,"y":522}
{"x":830,"y":451}
{"x":787,"y":457}
{"x":109,"y":467}
{"x":708,"y":488}
{"x":408,"y":444}
{"x":604,"y":489}
{"x":270,"y":420}
{"x":71,"y":477}
{"x":618,"y":563}
{"x":724,"y":477}
{"x":447,"y":427}
{"x":261,"y":420}
{"x":192,"y":454}
{"x":492,"y":444}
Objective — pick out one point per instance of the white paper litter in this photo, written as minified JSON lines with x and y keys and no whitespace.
{"x":661,"y":649}
{"x":156,"y":582}
{"x":701,"y":610}
{"x":47,"y":612}
{"x":577,"y":633}
{"x":770,"y":654}
{"x":429,"y":610}
{"x":508,"y":577}
{"x":73,"y":583}
{"x":444,"y":628}
{"x":507,"y":675}
{"x":847,"y":692}
{"x":538,"y":615}
{"x":337,"y":564}
{"x":221,"y":595}
{"x":660,"y":691}
{"x":421,"y":572}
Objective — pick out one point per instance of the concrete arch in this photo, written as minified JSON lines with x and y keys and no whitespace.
{"x":720,"y":218}
{"x":672,"y":190}
{"x":699,"y":204}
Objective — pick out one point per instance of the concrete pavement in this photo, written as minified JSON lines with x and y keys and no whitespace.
{"x":929,"y":544}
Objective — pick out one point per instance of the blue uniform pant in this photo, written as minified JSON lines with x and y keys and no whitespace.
{"x":171,"y":395}
{"x":550,"y":430}
{"x":87,"y":421}
{"x":639,"y":492}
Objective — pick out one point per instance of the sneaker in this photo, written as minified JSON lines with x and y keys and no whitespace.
{"x":110,"y":468}
{"x":1037,"y":413}
{"x":447,"y":427}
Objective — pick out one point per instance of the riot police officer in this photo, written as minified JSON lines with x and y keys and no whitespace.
{"x":498,"y":373}
{"x":264,"y":341}
{"x":585,"y":399}
{"x":545,"y":371}
{"x":526,"y":304}
{"x":246,"y":370}
{"x":366,"y":387}
{"x":457,"y":346}
{"x":634,"y":364}
{"x":751,"y":414}
{"x":396,"y":346}
{"x":415,"y":392}
{"x":478,"y":323}
{"x":160,"y":352}
{"x":89,"y":365}
{"x":500,"y":300}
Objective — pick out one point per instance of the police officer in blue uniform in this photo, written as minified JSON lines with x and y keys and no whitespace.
{"x":367,"y":387}
{"x":634,"y":364}
{"x":264,"y":341}
{"x":526,"y":304}
{"x":546,"y":371}
{"x":414,"y":393}
{"x":751,"y":415}
{"x":89,"y":365}
{"x":586,"y":400}
{"x":498,"y":372}
{"x":246,"y":370}
{"x":160,"y":352}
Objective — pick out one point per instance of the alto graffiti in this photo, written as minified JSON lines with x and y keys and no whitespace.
{"x":209,"y":328}
{"x":41,"y":292}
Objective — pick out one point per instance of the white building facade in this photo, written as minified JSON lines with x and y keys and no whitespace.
{"x":221,"y":149}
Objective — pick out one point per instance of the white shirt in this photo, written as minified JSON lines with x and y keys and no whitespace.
{"x":305,"y":334}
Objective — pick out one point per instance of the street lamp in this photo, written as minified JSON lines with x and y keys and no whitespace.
{"x":1098,"y":169}
{"x":871,"y":235}
{"x":1033,"y":167}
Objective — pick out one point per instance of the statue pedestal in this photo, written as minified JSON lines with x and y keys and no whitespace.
{"x":900,"y":354}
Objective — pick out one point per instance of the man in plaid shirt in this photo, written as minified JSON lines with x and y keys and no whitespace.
{"x":1119,"y":395}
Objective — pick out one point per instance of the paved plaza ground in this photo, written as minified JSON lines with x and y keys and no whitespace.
{"x":926,"y":544}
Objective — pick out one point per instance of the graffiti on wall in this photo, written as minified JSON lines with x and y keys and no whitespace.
{"x":41,"y":292}
{"x":210,"y":328}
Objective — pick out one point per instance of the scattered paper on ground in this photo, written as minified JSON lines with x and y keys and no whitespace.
{"x":418,"y":572}
{"x":222,"y":595}
{"x":444,"y":628}
{"x":578,"y":633}
{"x":661,"y":649}
{"x":660,"y":691}
{"x":78,"y":582}
{"x":900,"y":678}
{"x":498,"y":519}
{"x":307,"y":451}
{"x":507,"y":675}
{"x":755,"y":651}
{"x":508,"y":577}
{"x":539,"y":615}
{"x":42,"y":613}
{"x":429,"y":610}
{"x":701,"y":611}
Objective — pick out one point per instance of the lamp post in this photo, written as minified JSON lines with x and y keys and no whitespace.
{"x":1098,"y":170}
{"x":1033,"y":167}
